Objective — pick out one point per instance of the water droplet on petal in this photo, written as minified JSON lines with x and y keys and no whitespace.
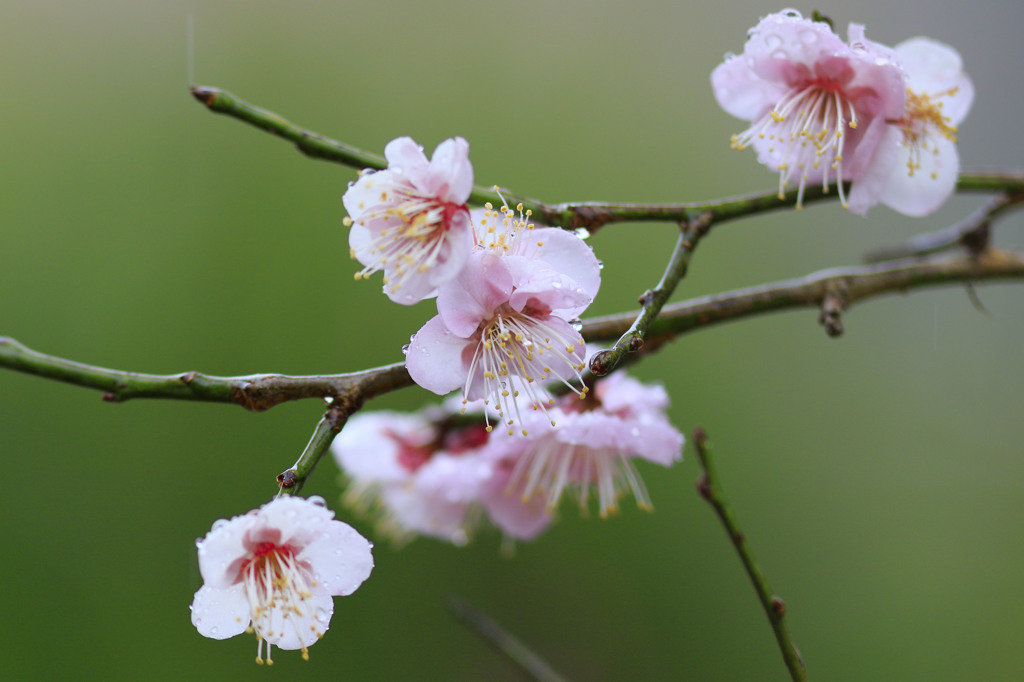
{"x":405,"y":349}
{"x":792,"y":13}
{"x":772,"y":41}
{"x":809,"y":36}
{"x":213,"y":630}
{"x":729,"y":56}
{"x":317,"y":500}
{"x":634,"y":431}
{"x":219,"y":523}
{"x":576,"y":323}
{"x":582,"y":232}
{"x":600,"y":265}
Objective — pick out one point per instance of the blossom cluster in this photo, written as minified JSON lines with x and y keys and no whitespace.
{"x":506,"y":333}
{"x":441,"y":472}
{"x":823,"y":110}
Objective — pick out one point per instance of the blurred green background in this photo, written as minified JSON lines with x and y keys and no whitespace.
{"x":877,"y":475}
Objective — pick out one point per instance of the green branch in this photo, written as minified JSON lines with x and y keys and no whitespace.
{"x":255,"y":392}
{"x":653,"y":300}
{"x":258,"y":392}
{"x":710,"y":489}
{"x":290,"y":482}
{"x":590,"y":215}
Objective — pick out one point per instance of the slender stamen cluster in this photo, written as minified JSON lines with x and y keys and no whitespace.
{"x":278,"y":589}
{"x":923,"y":119}
{"x":499,"y":230}
{"x":807,"y":127}
{"x":515,"y":353}
{"x":553,"y":466}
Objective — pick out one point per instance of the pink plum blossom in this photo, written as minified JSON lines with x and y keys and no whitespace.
{"x":818,"y":107}
{"x":916,"y":165}
{"x":503,"y":324}
{"x":411,"y":220}
{"x":275,"y":571}
{"x":417,"y":473}
{"x":593,"y":447}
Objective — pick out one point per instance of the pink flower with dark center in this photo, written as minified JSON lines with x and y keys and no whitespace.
{"x":817,"y":106}
{"x":411,"y":220}
{"x":592,"y":449}
{"x":916,"y":166}
{"x":274,"y":571}
{"x":503,"y":325}
{"x":418,"y":474}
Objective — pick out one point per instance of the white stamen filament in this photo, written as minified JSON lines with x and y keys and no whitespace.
{"x":414,"y":243}
{"x":275,"y":582}
{"x":516,"y":353}
{"x":553,"y":466}
{"x":808,"y":126}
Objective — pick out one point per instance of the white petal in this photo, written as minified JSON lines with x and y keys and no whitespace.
{"x":931,"y":184}
{"x":290,"y":630}
{"x":341,"y":558}
{"x":933,"y":68}
{"x":220,"y":613}
{"x":222,"y":549}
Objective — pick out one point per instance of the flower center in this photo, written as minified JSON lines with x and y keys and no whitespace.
{"x":277,"y":587}
{"x":515,"y":353}
{"x":807,"y":130}
{"x":414,"y":242}
{"x":923,"y":118}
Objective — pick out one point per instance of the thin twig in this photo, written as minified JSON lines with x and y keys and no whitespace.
{"x":971,"y":233}
{"x":591,"y":215}
{"x":710,"y":489}
{"x":291,"y":481}
{"x":653,"y":300}
{"x":503,"y":640}
{"x":857,"y":283}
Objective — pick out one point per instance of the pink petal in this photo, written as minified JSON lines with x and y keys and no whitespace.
{"x":436,"y":359}
{"x":484,"y":284}
{"x":406,"y":159}
{"x":452,"y":171}
{"x":868,"y":188}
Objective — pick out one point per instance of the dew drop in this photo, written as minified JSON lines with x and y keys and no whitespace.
{"x":600,"y":265}
{"x":405,"y":349}
{"x":214,"y":630}
{"x":809,"y":36}
{"x":881,"y":61}
{"x":792,"y":13}
{"x":317,"y":500}
{"x":581,"y":232}
{"x":858,"y":47}
{"x":219,"y":523}
{"x":634,"y":431}
{"x":779,"y":54}
{"x":772,"y":41}
{"x":576,"y":323}
{"x":729,"y":56}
